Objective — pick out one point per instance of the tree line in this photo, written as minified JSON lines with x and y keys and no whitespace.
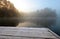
{"x":10,"y":16}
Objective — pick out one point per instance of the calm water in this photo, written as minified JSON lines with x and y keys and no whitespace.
{"x":56,"y":27}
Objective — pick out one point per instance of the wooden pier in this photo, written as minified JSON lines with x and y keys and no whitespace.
{"x":27,"y":33}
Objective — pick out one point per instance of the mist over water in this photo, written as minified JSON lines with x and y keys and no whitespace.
{"x":42,"y":18}
{"x":33,"y":19}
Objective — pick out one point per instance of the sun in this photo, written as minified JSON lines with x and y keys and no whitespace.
{"x":21,"y":5}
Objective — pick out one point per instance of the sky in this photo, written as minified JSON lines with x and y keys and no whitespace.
{"x":39,"y":4}
{"x":31,"y":5}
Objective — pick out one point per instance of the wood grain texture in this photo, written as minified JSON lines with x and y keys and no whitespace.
{"x":26,"y":33}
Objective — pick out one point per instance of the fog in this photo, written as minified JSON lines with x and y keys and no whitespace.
{"x":42,"y":17}
{"x":39,"y":18}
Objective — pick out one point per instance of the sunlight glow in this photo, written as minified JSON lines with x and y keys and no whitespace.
{"x":21,"y":5}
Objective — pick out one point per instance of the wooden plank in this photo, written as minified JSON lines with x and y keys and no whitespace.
{"x":18,"y":38}
{"x":54,"y":34}
{"x":23,"y":32}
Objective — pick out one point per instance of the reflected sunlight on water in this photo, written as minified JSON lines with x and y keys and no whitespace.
{"x":26,"y":24}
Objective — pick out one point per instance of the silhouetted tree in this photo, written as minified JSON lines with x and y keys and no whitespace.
{"x":9,"y":15}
